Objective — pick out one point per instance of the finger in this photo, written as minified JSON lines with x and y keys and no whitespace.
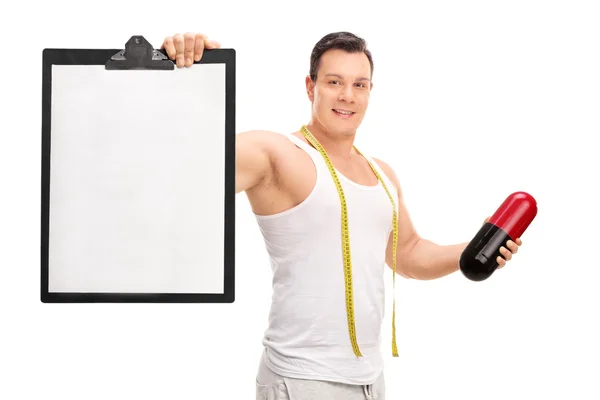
{"x":505,"y":253}
{"x":189,"y":48}
{"x":199,"y":46}
{"x":179,"y":42}
{"x":169,"y":46}
{"x":501,"y":262}
{"x":519,"y":241}
{"x":512,"y":246}
{"x":212,"y":44}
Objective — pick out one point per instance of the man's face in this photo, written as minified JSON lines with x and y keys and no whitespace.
{"x":340,"y":95}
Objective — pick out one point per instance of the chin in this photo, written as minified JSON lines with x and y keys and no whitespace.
{"x":348,"y":132}
{"x":342,"y":132}
{"x":344,"y":128}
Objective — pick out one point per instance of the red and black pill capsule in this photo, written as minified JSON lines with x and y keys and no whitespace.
{"x":511,"y":219}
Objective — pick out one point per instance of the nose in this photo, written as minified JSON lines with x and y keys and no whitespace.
{"x":346,"y":94}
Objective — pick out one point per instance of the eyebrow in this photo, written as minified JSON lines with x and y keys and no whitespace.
{"x":359,"y":79}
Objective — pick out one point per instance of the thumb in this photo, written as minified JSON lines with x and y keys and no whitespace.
{"x":486,"y":220}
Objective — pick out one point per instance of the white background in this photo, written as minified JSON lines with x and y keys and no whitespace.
{"x":473,"y":100}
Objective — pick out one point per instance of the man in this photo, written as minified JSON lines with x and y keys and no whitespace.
{"x":294,"y":183}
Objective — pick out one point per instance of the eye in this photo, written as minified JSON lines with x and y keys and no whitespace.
{"x":333,"y":82}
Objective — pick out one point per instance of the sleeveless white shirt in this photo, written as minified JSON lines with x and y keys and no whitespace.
{"x":307,"y":335}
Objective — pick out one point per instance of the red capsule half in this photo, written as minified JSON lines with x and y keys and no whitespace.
{"x":515,"y":214}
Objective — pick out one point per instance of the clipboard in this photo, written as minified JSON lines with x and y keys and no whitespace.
{"x":138,"y":176}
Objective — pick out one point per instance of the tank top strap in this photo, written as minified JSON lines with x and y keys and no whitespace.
{"x":372,"y":161}
{"x":387,"y":180}
{"x":312,"y":152}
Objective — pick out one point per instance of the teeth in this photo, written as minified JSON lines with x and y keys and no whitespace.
{"x":343,"y":112}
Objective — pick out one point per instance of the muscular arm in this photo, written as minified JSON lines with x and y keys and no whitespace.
{"x":253,"y":159}
{"x":418,"y":258}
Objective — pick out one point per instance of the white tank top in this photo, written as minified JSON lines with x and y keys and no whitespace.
{"x":307,"y":335}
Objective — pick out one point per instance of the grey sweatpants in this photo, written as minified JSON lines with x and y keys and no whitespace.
{"x":271,"y":386}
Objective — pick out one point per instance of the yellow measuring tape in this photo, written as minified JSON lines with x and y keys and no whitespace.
{"x":346,"y":244}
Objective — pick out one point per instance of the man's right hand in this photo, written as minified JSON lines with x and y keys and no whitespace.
{"x":187,"y":48}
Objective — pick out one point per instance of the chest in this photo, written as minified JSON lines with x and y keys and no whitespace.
{"x":367,"y":204}
{"x":298,"y":173}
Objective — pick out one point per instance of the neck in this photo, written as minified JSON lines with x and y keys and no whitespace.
{"x":340,"y":145}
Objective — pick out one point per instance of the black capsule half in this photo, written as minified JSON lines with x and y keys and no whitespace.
{"x":478,"y":260}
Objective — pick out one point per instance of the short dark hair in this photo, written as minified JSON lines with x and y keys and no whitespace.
{"x":337,"y":40}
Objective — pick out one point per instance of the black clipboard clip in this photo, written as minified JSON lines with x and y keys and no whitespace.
{"x":139,"y":54}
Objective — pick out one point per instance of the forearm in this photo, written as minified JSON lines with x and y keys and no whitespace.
{"x":427,"y":260}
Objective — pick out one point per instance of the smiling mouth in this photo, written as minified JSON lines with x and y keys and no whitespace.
{"x":343,"y":112}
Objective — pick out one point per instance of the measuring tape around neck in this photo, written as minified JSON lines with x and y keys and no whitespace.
{"x":346,"y":244}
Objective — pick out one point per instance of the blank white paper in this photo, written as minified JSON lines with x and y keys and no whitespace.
{"x":137,"y":180}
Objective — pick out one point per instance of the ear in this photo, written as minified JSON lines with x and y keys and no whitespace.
{"x":310,"y":88}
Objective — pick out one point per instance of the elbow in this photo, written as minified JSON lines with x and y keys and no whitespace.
{"x":416,"y":271}
{"x":418,"y":260}
{"x":407,"y":265}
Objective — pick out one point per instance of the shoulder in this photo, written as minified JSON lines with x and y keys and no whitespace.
{"x":266,"y":141}
{"x":264,"y":137}
{"x":389,"y":171}
{"x":261,"y":136}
